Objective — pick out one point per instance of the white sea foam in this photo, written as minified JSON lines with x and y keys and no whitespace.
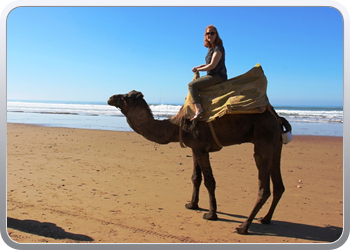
{"x":36,"y":112}
{"x":312,"y":115}
{"x":62,"y":108}
{"x":301,"y":114}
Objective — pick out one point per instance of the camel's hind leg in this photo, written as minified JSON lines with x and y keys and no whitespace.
{"x":262,"y":157}
{"x":196,"y":180}
{"x":278,"y":187}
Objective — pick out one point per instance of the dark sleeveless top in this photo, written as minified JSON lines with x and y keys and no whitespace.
{"x":220,"y":68}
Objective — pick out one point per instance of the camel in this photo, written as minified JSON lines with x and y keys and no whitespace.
{"x":262,"y":129}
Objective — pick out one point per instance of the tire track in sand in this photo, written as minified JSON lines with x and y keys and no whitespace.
{"x":83,"y":215}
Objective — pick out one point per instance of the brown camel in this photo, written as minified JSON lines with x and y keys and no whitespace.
{"x":263,"y":130}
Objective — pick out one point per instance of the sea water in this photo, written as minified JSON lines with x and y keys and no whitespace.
{"x":326,"y":121}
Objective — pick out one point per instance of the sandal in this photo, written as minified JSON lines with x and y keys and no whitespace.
{"x":197,"y":115}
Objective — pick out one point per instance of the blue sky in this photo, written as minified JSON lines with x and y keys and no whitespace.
{"x":91,"y":53}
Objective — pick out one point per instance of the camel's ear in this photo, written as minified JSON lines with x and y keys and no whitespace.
{"x":139,"y":95}
{"x":136,"y":94}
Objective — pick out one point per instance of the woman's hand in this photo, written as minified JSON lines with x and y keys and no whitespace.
{"x":206,"y":67}
{"x":197,"y":68}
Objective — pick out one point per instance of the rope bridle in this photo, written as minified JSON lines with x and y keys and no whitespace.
{"x":118,"y":102}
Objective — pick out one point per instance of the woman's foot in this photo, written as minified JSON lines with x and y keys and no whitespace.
{"x":197,"y":115}
{"x":199,"y":112}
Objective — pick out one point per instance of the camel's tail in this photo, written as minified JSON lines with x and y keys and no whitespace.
{"x":281,"y":120}
{"x":286,"y":125}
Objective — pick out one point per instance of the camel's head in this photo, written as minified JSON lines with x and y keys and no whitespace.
{"x":125,"y":102}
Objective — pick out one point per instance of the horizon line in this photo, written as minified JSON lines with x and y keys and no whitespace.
{"x":164,"y":103}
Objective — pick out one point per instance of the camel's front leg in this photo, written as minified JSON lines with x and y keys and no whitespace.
{"x":202,"y":159}
{"x":196,"y":180}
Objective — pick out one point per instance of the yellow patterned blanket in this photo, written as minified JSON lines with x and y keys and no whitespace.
{"x":244,"y":94}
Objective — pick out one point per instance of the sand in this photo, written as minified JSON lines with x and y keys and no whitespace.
{"x":90,"y":186}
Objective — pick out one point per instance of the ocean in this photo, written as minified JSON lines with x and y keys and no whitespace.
{"x":325,"y":121}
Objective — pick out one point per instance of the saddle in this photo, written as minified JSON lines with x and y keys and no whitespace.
{"x":244,"y":94}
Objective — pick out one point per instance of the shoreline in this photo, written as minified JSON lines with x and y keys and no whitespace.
{"x":103,"y":186}
{"x":120,"y":124}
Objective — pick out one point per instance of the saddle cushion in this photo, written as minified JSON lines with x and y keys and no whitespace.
{"x":244,"y":94}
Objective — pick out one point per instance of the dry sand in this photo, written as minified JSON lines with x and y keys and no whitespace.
{"x":90,"y":186}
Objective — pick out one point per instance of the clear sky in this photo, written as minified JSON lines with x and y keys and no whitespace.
{"x":91,"y":53}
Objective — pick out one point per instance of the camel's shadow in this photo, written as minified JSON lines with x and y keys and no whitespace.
{"x":286,"y":229}
{"x":45,"y":229}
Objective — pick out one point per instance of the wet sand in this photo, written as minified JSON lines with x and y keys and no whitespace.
{"x":91,"y":186}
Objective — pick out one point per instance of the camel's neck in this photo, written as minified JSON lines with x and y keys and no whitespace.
{"x":142,"y":122}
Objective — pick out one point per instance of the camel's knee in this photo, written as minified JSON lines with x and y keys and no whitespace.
{"x":278,"y":187}
{"x":196,"y":180}
{"x":210,"y":184}
{"x":264,"y":194}
{"x":278,"y":191}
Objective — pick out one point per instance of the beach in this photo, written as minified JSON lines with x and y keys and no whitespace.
{"x":68,"y":185}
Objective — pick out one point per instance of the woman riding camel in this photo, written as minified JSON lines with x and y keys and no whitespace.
{"x":215,"y":67}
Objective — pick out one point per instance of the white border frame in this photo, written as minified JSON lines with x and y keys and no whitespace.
{"x":257,"y":3}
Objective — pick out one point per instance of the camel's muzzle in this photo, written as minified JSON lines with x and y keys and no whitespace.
{"x":114,"y":101}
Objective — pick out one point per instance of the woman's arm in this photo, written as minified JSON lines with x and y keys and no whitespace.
{"x":195,"y":68}
{"x":214,"y":61}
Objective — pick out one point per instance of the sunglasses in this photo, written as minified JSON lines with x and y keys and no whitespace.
{"x":210,"y":33}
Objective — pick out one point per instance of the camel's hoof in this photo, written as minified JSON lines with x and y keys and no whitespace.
{"x":264,"y":220}
{"x":209,"y":216}
{"x":192,"y":207}
{"x":241,"y":230}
